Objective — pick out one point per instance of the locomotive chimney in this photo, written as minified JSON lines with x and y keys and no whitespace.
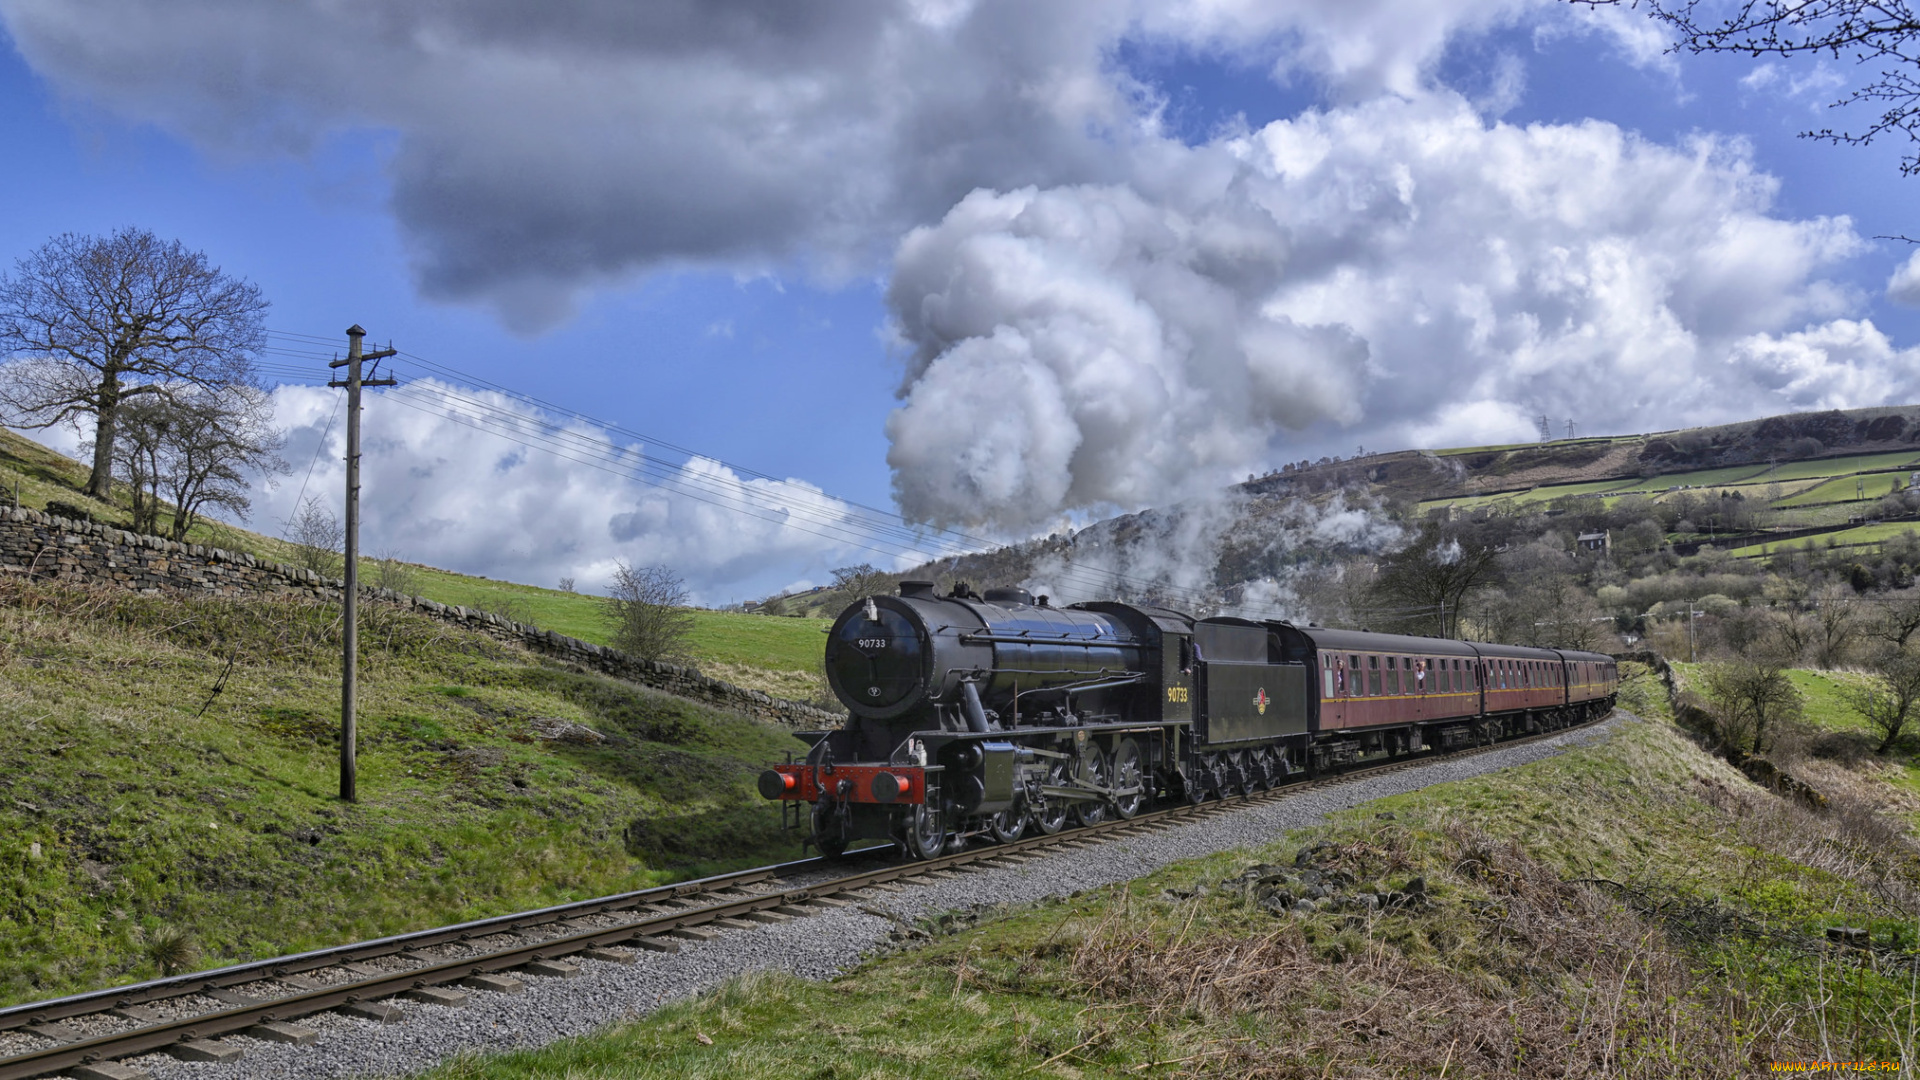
{"x":916,"y":588}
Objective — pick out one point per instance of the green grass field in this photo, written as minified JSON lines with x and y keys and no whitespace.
{"x":153,"y":789}
{"x":1843,"y":466}
{"x":1857,"y":487}
{"x":1865,"y":535}
{"x":1700,"y":478}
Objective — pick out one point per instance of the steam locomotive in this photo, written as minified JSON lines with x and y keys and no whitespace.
{"x":984,"y":716}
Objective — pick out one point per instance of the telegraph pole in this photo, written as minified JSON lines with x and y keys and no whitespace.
{"x":350,"y":615}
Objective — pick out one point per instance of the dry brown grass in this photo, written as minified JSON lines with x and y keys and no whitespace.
{"x":1542,"y":978}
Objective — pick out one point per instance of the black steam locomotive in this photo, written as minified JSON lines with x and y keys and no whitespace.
{"x":983,"y":716}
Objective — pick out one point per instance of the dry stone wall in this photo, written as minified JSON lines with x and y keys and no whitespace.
{"x":42,"y":546}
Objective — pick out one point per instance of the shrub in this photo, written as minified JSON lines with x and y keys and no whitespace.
{"x":647,"y":609}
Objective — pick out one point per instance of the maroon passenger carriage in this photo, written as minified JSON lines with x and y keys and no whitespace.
{"x":977,"y":716}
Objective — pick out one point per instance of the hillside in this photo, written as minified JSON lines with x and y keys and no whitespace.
{"x":171,"y":783}
{"x":778,"y":657}
{"x":1839,"y":481}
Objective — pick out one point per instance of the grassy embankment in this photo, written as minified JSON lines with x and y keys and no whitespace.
{"x":1633,"y":908}
{"x":170,"y":779}
{"x":778,"y":656}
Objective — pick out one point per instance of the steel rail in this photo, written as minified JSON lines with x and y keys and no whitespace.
{"x":19,"y":1017}
{"x":835,"y":892}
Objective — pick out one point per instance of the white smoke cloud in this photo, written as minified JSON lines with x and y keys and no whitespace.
{"x":1227,"y":553}
{"x":1403,"y":268}
{"x":1084,"y":348}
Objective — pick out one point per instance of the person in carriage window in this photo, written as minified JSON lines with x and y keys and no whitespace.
{"x":1340,"y":676}
{"x":1419,"y":676}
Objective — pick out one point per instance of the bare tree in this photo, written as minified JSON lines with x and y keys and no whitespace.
{"x":142,"y":455}
{"x":1898,"y":617}
{"x":1750,"y":699}
{"x":317,"y":538}
{"x":1835,"y":625}
{"x":647,"y":607}
{"x":1422,"y":587}
{"x":855,"y":582}
{"x":213,"y":442}
{"x":1566,"y":616}
{"x":95,"y":322}
{"x":1886,"y":699}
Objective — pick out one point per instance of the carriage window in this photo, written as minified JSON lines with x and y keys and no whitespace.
{"x":1373,"y":676}
{"x":1326,"y":674}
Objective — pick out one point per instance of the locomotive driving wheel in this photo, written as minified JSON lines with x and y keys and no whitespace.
{"x":1009,"y":825}
{"x":1050,"y":816}
{"x":1094,"y":771}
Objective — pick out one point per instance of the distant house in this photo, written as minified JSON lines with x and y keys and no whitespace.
{"x":1595,"y":541}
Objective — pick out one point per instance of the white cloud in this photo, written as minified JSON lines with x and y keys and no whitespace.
{"x":1903,"y":287}
{"x":1838,"y":365}
{"x":1402,"y":267}
{"x":1817,"y":82}
{"x":539,"y":150}
{"x":1763,"y":75}
{"x":438,"y":490}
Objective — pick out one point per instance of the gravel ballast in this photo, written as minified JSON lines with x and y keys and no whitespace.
{"x":816,"y":947}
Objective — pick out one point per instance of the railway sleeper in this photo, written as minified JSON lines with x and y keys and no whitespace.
{"x":281,"y":1032}
{"x":107,"y":1070}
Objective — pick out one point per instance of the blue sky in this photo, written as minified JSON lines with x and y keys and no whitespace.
{"x":745,"y":242}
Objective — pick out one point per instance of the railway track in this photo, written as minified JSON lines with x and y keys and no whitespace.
{"x":85,"y":1035}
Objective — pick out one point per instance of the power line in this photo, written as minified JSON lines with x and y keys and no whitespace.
{"x":324,"y":435}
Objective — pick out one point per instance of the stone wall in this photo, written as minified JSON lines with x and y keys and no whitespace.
{"x":41,"y":546}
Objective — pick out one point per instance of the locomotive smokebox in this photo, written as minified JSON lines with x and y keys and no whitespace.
{"x":917,"y":656}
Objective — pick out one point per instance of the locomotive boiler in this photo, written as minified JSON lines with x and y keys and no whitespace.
{"x":980,"y":716}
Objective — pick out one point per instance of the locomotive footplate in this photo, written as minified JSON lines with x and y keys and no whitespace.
{"x":879,"y":784}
